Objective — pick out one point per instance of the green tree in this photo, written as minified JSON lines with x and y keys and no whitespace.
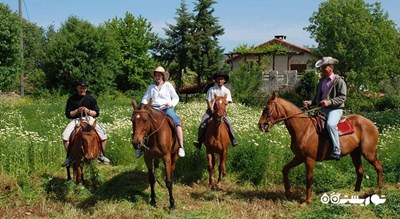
{"x":247,"y":91}
{"x":135,"y":41}
{"x":176,"y":49}
{"x":81,"y":50}
{"x":207,"y":54}
{"x":34,"y":44}
{"x":10,"y":61}
{"x":308,"y":85}
{"x":361,"y":36}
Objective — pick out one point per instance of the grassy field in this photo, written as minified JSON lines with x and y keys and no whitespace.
{"x":32,"y":183}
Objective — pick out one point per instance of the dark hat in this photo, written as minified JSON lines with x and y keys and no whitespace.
{"x":220,"y":74}
{"x":81,"y":82}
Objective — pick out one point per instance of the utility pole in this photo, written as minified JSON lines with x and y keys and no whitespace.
{"x":21,"y":40}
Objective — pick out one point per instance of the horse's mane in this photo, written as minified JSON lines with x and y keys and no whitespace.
{"x":289,"y":106}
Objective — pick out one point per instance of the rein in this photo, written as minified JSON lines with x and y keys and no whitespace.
{"x":289,"y":117}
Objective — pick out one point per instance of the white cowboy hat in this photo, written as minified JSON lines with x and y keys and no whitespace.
{"x":161,"y":70}
{"x":326,"y":61}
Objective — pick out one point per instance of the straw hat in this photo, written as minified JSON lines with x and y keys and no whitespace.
{"x":326,"y":61}
{"x":161,"y":70}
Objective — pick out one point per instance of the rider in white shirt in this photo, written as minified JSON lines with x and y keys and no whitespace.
{"x":220,"y":90}
{"x":164,"y":97}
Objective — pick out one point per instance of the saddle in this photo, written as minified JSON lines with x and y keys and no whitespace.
{"x":344,"y":126}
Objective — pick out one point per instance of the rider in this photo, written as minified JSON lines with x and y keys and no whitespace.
{"x":164,"y":98}
{"x":331,"y":95}
{"x":81,"y":104}
{"x":220,"y":90}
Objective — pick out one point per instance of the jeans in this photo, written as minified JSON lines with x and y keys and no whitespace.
{"x":332,"y":119}
{"x":171,"y":113}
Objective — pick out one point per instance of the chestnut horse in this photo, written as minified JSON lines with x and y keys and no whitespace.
{"x":217,"y":140}
{"x":308,"y":146}
{"x":84,"y":147}
{"x":151,"y":130}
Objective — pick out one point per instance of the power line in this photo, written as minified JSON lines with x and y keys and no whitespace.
{"x":26,"y":10}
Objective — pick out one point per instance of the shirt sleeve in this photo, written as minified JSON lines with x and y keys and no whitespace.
{"x":94,"y":106}
{"x":69,"y":108}
{"x":228,"y":96}
{"x":174,"y":95}
{"x":209,"y":95}
{"x":147,"y":96}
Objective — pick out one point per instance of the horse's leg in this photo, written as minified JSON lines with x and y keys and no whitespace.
{"x":152,"y":180}
{"x":222,"y":169}
{"x":68,"y":173}
{"x":293,"y":163}
{"x":356,"y":157}
{"x":211,"y":163}
{"x":78,"y":173}
{"x":372,"y":158}
{"x":168,"y":180}
{"x":310,"y":167}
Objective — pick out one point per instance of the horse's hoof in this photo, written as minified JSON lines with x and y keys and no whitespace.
{"x":304,"y":204}
{"x":172,"y":207}
{"x":288,"y":194}
{"x":154,"y":204}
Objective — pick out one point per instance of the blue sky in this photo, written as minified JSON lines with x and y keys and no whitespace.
{"x":250,"y":22}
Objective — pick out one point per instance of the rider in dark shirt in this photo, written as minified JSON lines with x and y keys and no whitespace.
{"x":78,"y":105}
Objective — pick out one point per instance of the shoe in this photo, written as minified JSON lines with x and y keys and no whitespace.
{"x":138,"y":153}
{"x":234,"y":143}
{"x":197,"y":144}
{"x":67,"y":162}
{"x":103,"y":159}
{"x":181,"y":152}
{"x":335,"y":156}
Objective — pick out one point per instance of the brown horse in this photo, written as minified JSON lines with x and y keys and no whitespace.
{"x":151,"y":130}
{"x":308,"y":146}
{"x":217,"y":140}
{"x":84,"y":147}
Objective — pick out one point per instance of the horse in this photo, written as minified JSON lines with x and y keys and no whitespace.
{"x":153,"y":132}
{"x":217,"y":140}
{"x":308,"y":146}
{"x":84,"y":147}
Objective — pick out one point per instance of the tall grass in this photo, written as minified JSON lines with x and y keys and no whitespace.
{"x":31,"y":153}
{"x":30,"y":143}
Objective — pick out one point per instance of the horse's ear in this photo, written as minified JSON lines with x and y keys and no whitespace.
{"x":225,"y":96}
{"x":215,"y":96}
{"x":134,"y":104}
{"x":274,"y":95}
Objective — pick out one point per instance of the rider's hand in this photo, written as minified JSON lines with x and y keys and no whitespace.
{"x":83,"y":109}
{"x":306,"y":103}
{"x":167,"y":105}
{"x":324,"y":103}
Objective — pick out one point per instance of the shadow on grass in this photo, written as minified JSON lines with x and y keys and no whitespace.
{"x":128,"y":185}
{"x":248,"y":195}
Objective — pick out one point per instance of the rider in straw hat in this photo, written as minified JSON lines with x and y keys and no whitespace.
{"x":165,"y":98}
{"x":331,"y":95}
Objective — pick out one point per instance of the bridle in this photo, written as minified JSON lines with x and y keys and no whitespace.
{"x":152,"y":133}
